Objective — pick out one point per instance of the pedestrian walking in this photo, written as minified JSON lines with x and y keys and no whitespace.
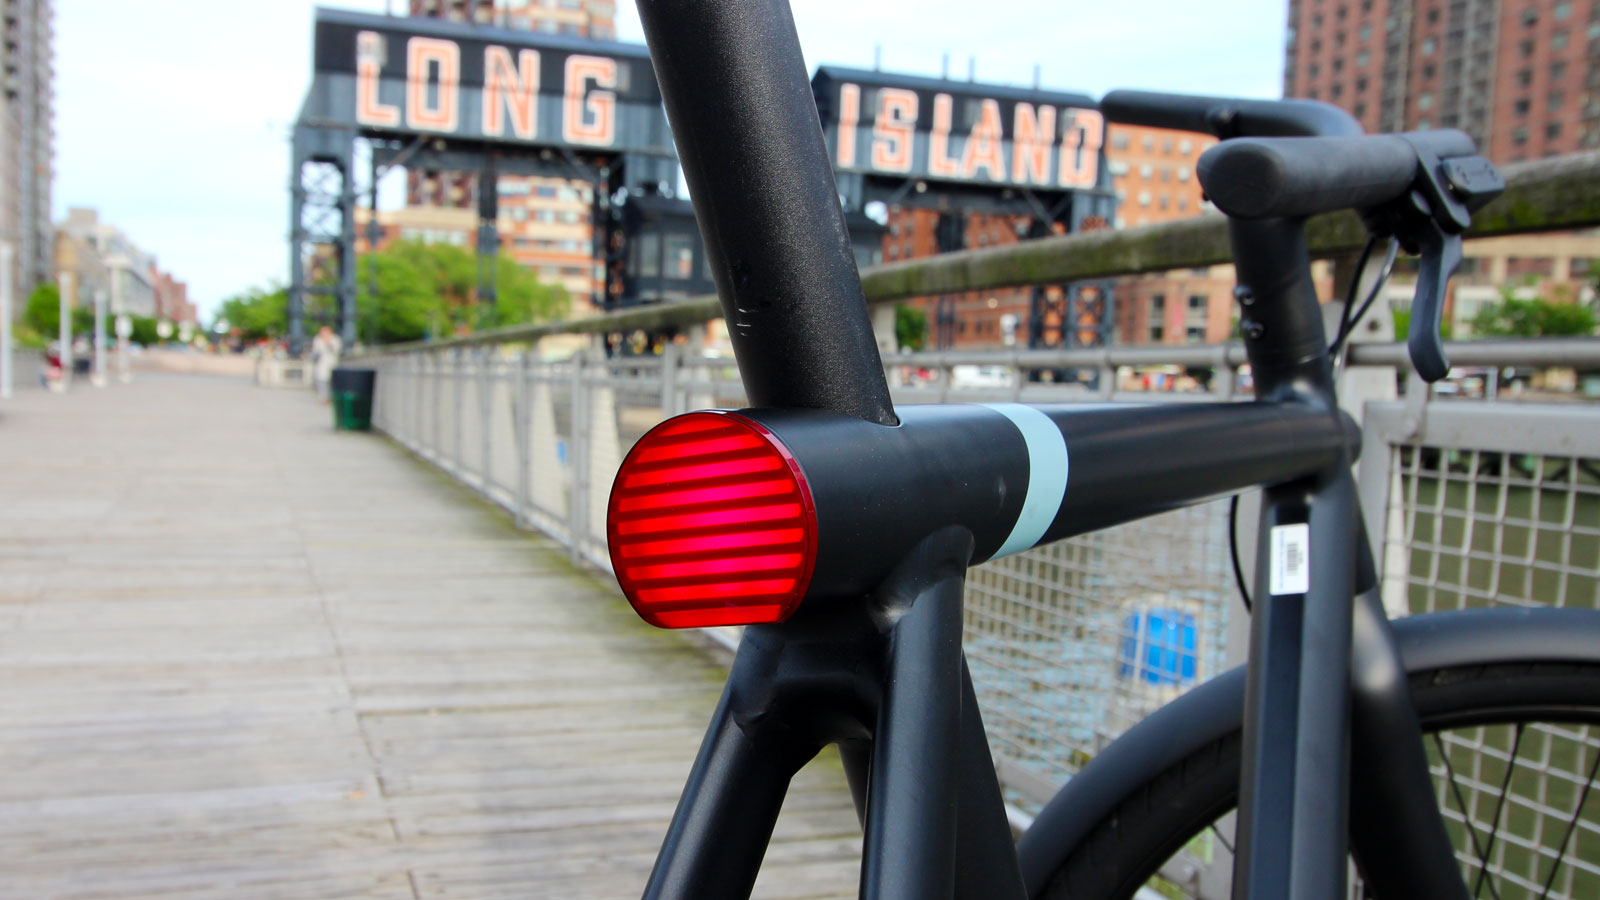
{"x":325,"y":349}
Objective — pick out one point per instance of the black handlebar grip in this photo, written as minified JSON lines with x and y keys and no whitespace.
{"x":1259,"y":178}
{"x":1227,"y":117}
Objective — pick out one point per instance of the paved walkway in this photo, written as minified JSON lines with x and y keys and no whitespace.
{"x":242,"y":656}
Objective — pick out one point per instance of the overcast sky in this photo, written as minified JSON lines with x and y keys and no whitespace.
{"x":173,"y":116}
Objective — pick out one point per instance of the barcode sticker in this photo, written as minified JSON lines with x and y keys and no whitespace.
{"x":1291,"y":559}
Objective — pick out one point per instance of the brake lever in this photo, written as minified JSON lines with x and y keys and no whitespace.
{"x":1440,"y":256}
{"x":1429,"y":223}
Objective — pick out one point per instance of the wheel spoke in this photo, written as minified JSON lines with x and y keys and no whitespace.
{"x":1499,"y":806}
{"x":1466,"y":814}
{"x":1572,"y":824}
{"x":1225,"y":842}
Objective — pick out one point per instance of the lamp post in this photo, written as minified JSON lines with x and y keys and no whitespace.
{"x":97,"y":376}
{"x":5,"y":319}
{"x":64,"y":330}
{"x":119,"y":271}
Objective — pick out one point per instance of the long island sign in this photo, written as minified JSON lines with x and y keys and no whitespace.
{"x":898,"y":126}
{"x":392,"y":76}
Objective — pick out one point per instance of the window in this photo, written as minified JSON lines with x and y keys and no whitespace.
{"x":1525,"y":48}
{"x":1361,"y":85}
{"x":1338,"y":65}
{"x":1366,"y":32}
{"x":1520,"y":135}
{"x":1158,"y":303}
{"x":1166,"y":146}
{"x":1156,"y":334}
{"x":1183,"y":204}
{"x":1563,"y":9}
{"x":1314,"y":71}
{"x":1558,"y":41}
{"x":1428,"y":71}
{"x":1363,"y":58}
{"x":1524,"y":78}
{"x":1521,"y":107}
{"x":1144,"y":198}
{"x":1183,"y":173}
{"x":1145,"y":171}
{"x":1555,"y":100}
{"x":1197,"y":301}
{"x":1361,"y":110}
{"x":1162,"y":201}
{"x":1120,"y":141}
{"x":1424,"y":101}
{"x":1149,"y":144}
{"x":1552,"y":130}
{"x":1185,"y":146}
{"x":1195,"y":334}
{"x":1428,"y":46}
{"x":1558,"y":71}
{"x":680,"y":256}
{"x":649,"y":248}
{"x":1433,"y":15}
{"x":1337,"y":91}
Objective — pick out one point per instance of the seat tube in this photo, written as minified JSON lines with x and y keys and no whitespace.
{"x":750,"y":143}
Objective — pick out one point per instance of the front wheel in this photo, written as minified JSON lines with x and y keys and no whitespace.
{"x":1514,"y":750}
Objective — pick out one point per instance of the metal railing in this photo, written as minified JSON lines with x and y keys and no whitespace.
{"x":1072,"y":642}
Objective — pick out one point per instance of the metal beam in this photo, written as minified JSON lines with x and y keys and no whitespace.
{"x":1545,"y":195}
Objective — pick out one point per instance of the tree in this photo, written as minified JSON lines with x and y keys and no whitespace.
{"x":910,"y":326}
{"x":43,"y":312}
{"x":431,"y":290}
{"x":1512,"y":317}
{"x":257,"y":312}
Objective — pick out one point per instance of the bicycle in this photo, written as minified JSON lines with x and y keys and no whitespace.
{"x":838,"y":528}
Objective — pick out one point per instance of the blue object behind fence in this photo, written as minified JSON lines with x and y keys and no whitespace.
{"x":1158,"y":647}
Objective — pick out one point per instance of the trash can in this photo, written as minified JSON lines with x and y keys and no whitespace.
{"x":351,"y":390}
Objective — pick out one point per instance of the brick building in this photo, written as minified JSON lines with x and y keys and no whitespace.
{"x":1521,"y":76}
{"x":27,"y":143}
{"x":1153,"y":170}
{"x":544,"y":223}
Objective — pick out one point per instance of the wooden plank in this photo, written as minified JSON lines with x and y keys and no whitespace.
{"x":244,"y":656}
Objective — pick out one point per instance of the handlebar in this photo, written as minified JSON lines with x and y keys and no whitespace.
{"x":1258,"y":178}
{"x":1227,"y":117}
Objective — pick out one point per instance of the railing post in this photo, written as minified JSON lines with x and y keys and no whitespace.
{"x":438,"y":407}
{"x":578,"y":460}
{"x":485,"y":415}
{"x":669,"y":380}
{"x":520,"y":421}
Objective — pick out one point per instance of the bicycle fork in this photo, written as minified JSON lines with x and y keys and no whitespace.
{"x":1327,"y":706}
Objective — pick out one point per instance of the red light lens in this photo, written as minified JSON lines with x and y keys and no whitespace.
{"x":711,"y":523}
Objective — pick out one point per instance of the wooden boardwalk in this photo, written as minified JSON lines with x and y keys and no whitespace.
{"x":243,"y":656}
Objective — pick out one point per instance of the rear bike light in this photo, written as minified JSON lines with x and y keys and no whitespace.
{"x":711,"y":523}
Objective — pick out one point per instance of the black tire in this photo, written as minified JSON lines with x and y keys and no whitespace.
{"x":1156,"y":820}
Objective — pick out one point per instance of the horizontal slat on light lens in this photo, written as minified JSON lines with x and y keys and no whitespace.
{"x":710,"y":522}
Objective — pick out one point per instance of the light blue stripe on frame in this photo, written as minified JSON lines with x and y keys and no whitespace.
{"x":1047,"y":475}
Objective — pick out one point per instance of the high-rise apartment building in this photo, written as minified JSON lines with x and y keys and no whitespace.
{"x":544,"y":223}
{"x":1522,"y":77}
{"x":27,"y":130}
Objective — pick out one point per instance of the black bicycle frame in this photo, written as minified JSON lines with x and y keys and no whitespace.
{"x":872,"y":660}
